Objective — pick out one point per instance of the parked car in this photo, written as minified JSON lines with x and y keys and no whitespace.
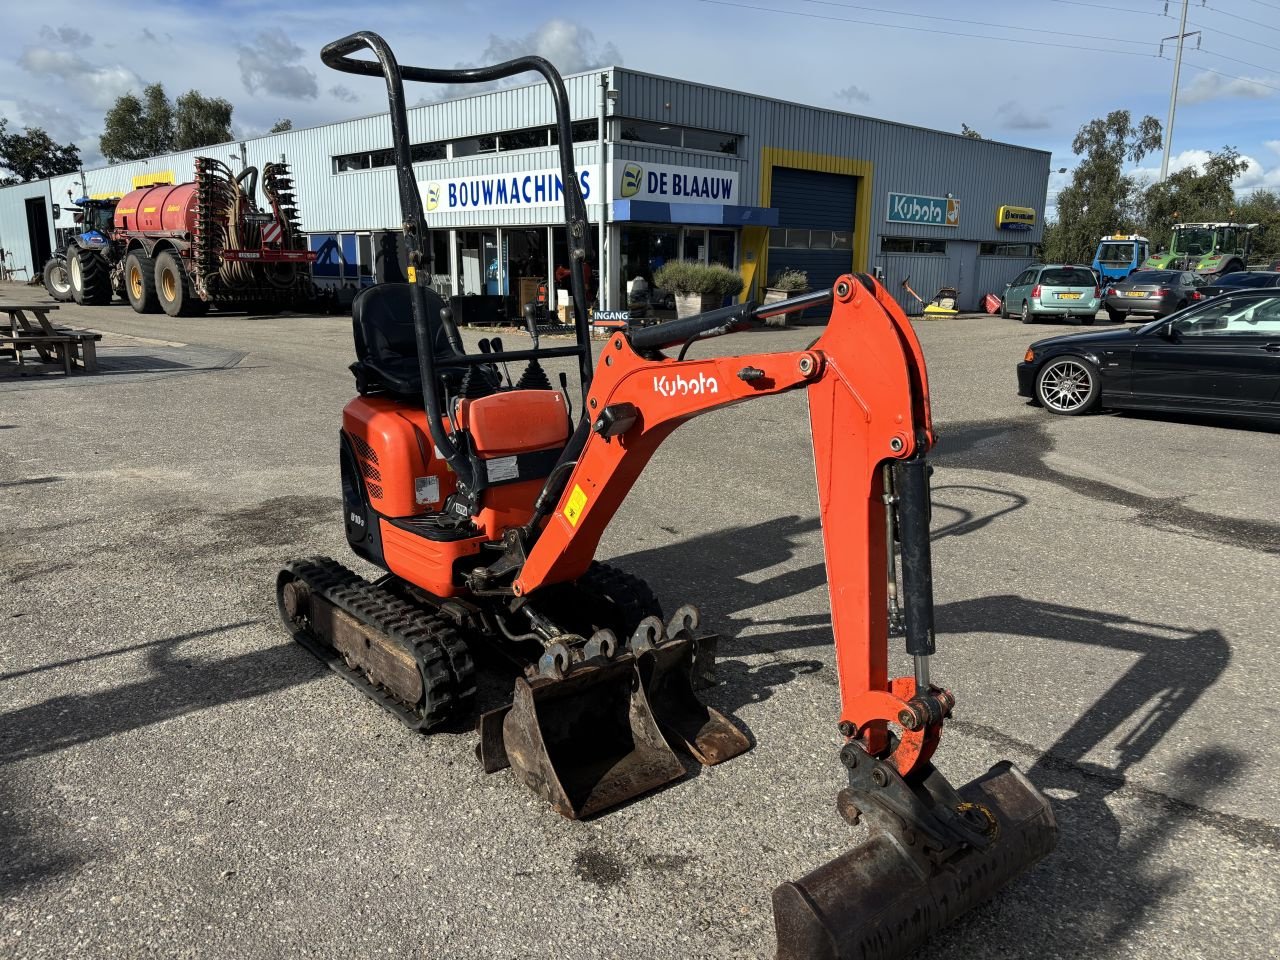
{"x":1054,"y":289}
{"x":1218,"y":356}
{"x":1152,"y":293}
{"x":1242,"y":280}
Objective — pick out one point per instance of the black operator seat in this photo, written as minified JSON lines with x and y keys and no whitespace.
{"x":386,"y":347}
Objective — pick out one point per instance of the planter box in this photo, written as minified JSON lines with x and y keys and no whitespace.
{"x":691,"y":304}
{"x":773,"y":295}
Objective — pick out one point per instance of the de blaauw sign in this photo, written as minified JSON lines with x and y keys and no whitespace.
{"x":668,"y":184}
{"x":936,"y":211}
{"x":502,"y":191}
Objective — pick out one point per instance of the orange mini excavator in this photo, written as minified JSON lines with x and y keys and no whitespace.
{"x":485,"y":502}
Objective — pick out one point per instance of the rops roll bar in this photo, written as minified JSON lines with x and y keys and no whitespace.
{"x":337,"y":56}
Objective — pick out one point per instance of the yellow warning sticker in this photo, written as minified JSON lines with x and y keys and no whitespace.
{"x":413,"y":275}
{"x":573,"y":509}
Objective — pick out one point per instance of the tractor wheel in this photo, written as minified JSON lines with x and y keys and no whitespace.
{"x":173,"y":287}
{"x":57,"y":279}
{"x":140,"y":283}
{"x":90,"y":277}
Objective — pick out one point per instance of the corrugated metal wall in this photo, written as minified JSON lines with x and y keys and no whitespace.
{"x":982,"y":173}
{"x":995,"y":272}
{"x":14,"y":238}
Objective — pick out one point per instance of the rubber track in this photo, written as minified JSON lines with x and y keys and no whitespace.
{"x":448,"y":674}
{"x":626,"y":593}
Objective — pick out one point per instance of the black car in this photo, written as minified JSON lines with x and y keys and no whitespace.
{"x":1242,"y":280}
{"x":1151,"y":293}
{"x":1218,"y":356}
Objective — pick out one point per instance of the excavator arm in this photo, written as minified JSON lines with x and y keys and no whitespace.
{"x":934,"y":851}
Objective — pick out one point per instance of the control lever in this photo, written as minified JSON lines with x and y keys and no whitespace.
{"x":496,"y":343}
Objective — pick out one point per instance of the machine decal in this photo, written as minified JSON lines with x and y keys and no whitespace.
{"x":679,"y":386}
{"x":573,"y":509}
{"x":426,"y":489}
{"x":502,"y":468}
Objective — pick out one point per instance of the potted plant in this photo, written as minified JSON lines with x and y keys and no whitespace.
{"x":784,"y":285}
{"x":697,"y":287}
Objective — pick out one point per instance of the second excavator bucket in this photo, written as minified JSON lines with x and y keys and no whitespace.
{"x":933,"y":854}
{"x":587,"y":741}
{"x":667,"y":673}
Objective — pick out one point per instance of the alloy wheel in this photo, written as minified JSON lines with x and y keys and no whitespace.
{"x":1066,"y":386}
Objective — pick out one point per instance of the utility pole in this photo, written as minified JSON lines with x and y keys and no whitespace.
{"x":1173,"y":94}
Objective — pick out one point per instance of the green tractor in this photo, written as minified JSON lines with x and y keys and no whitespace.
{"x":1207,"y":249}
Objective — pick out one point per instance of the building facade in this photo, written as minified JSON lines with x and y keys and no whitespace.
{"x":682,"y":171}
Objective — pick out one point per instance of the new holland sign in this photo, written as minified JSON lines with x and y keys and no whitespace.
{"x":934,"y":211}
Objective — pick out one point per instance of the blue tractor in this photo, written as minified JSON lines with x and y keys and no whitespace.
{"x":86,"y":268}
{"x":1118,"y":256}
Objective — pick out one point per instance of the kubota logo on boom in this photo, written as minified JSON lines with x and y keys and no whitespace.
{"x":679,"y":386}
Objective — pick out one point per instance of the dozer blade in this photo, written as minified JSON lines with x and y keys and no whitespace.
{"x":588,"y":741}
{"x":931,"y":856}
{"x":667,"y":675}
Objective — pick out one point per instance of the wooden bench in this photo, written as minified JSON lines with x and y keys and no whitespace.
{"x":52,"y":344}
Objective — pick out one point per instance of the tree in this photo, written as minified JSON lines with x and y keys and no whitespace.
{"x":1193,"y":194}
{"x":1263,"y":208}
{"x":968,"y":131}
{"x":281,"y":125}
{"x":135,"y":128}
{"x":33,"y":155}
{"x":201,"y":121}
{"x":1101,"y":199}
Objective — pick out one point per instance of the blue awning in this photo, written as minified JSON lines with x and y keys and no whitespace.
{"x":713,"y":214}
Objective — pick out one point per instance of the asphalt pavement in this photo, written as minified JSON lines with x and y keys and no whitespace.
{"x":177,"y":779}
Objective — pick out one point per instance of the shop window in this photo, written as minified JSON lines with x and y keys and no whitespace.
{"x":797,"y":239}
{"x":793,"y":239}
{"x":644,"y":132}
{"x":841,"y":239}
{"x":473,"y":146}
{"x":819,"y":239}
{"x":364,"y":257}
{"x":912,"y":245}
{"x":1010,"y":250}
{"x":584,"y":131}
{"x":351,"y":161}
{"x":523,"y":139}
{"x":426,"y":152}
{"x":710,"y":141}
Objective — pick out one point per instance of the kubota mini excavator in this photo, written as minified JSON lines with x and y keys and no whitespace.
{"x":485,"y":503}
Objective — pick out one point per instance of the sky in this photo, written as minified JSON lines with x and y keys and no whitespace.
{"x":1029,"y":72}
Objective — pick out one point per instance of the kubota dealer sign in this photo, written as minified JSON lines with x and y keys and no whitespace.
{"x":935,"y":211}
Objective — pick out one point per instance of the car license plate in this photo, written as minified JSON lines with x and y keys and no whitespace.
{"x":1068,"y":296}
{"x":1135,"y":293}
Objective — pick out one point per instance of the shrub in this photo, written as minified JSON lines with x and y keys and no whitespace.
{"x":683,"y":277}
{"x":790,"y":280}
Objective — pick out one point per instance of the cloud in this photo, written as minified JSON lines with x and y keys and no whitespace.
{"x":1214,"y":86}
{"x":1013,"y":116}
{"x":1254,"y":177}
{"x":853,"y":94}
{"x":99,"y":85}
{"x":271,"y":64}
{"x":570,"y":47}
{"x":1273,"y":146}
{"x":339,"y":92}
{"x":68,"y":35}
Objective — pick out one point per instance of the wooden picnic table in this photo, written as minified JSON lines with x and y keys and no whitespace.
{"x":29,"y":326}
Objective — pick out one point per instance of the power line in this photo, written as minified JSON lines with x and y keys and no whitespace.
{"x":1263,"y":3}
{"x":1233,"y":36}
{"x":1223,"y":56}
{"x":1230,"y":76}
{"x":971,"y":23}
{"x":1109,"y":8}
{"x":915,"y":29}
{"x":1256,"y":23}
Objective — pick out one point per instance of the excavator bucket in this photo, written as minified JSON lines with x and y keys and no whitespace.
{"x":667,"y":673}
{"x":588,"y":741}
{"x":933,"y":854}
